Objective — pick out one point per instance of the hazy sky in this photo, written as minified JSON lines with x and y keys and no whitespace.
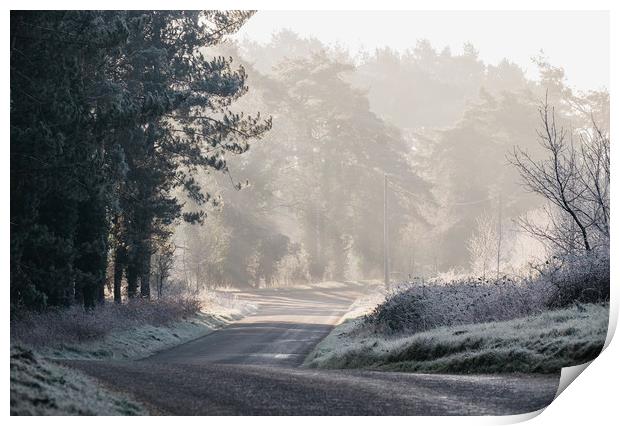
{"x":577,"y":41}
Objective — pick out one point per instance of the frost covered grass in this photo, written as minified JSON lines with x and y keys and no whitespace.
{"x":140,"y":341}
{"x":554,"y":317}
{"x":40,"y":388}
{"x":76,"y":324}
{"x":128,"y":331}
{"x":364,"y":305}
{"x":123,"y":331}
{"x":541,"y":343}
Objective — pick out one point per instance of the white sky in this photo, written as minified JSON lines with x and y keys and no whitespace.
{"x":578,"y":41}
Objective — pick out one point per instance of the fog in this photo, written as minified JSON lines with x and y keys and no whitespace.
{"x":576,"y":40}
{"x":306,"y":202}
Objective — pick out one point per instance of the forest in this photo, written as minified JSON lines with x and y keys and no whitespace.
{"x":441,"y":126}
{"x":203,"y":223}
{"x":111,"y":114}
{"x":152,"y":153}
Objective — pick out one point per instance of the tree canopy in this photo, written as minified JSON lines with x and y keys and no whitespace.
{"x":111,"y":112}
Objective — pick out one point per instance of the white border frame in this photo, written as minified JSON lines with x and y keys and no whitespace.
{"x":592,"y":399}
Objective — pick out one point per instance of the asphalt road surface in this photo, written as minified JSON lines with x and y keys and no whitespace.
{"x":252,"y":368}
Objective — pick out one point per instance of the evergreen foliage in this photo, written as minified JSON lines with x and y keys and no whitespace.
{"x":111,"y":112}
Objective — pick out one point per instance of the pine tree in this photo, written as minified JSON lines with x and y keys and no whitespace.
{"x":111,"y":111}
{"x":186,"y":123}
{"x":60,"y":100}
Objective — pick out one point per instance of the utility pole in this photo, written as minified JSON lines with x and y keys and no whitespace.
{"x":499,"y":232}
{"x":386,"y":265}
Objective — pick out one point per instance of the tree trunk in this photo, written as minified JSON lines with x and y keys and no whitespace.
{"x":89,"y":296}
{"x":79,"y":294}
{"x":92,"y":259}
{"x":132,"y":279}
{"x":146,"y":250}
{"x":118,"y":280}
{"x":101,"y":293}
{"x":118,"y":273}
{"x":145,"y":280}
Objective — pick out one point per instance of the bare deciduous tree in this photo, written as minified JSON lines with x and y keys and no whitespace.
{"x":574,"y":179}
{"x":482,"y":244}
{"x":595,"y":177}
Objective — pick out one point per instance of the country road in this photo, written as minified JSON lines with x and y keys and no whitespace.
{"x":252,"y":368}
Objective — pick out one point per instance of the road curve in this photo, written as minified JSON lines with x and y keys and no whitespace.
{"x":287,"y":324}
{"x":252,"y":368}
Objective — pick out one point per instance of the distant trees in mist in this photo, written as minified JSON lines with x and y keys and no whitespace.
{"x":484,"y":245}
{"x":118,"y":120}
{"x":442,"y":123}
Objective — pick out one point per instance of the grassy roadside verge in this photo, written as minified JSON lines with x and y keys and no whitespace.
{"x":39,"y":386}
{"x":541,"y":343}
{"x":141,"y":341}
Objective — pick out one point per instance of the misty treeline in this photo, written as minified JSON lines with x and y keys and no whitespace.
{"x":443,"y":126}
{"x":119,"y":118}
{"x":113,"y":113}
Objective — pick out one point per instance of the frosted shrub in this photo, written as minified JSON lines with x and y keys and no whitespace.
{"x":559,"y":282}
{"x":576,"y":278}
{"x":422,"y":306}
